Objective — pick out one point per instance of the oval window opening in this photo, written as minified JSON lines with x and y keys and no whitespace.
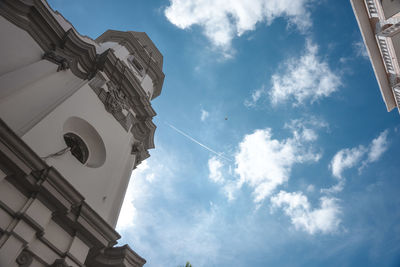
{"x":85,"y":142}
{"x":77,"y":147}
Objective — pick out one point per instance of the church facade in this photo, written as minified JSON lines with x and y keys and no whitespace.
{"x":75,"y":120}
{"x":379,"y":22}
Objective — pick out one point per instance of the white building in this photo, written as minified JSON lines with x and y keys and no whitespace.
{"x":75,"y":120}
{"x":379,"y":22}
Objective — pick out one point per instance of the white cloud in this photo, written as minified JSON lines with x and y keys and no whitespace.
{"x":324,"y":219}
{"x":155,"y":216}
{"x":265,"y":163}
{"x":304,"y":128}
{"x":310,"y":188}
{"x":229,"y":189}
{"x":378,"y":146}
{"x":214,"y":167}
{"x":306,"y":78}
{"x":360,"y":49}
{"x":204,"y":115}
{"x":222,"y":20}
{"x":128,"y":212}
{"x":358,"y":156}
{"x":217,"y":169}
{"x":345,"y":159}
{"x":376,"y":149}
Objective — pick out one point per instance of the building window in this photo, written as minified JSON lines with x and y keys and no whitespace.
{"x":136,"y":64}
{"x":77,"y":147}
{"x":85,"y":143}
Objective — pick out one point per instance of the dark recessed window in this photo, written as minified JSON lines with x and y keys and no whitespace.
{"x":78,"y":147}
{"x":135,"y":63}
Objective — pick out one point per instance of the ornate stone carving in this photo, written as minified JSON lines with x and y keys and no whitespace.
{"x":56,"y":58}
{"x":137,"y":148}
{"x":24,"y":259}
{"x":115,"y":100}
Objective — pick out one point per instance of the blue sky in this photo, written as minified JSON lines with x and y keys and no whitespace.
{"x":305,"y":171}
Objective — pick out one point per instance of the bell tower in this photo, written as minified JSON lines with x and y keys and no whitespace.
{"x":83,"y":105}
{"x":75,"y":120}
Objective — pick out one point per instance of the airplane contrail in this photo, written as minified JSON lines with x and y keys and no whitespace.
{"x":197,"y":142}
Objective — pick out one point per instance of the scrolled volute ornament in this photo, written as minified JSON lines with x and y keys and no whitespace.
{"x":24,"y":259}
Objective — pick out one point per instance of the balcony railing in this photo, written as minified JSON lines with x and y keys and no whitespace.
{"x":396,"y":93}
{"x":386,"y":55}
{"x":373,"y":12}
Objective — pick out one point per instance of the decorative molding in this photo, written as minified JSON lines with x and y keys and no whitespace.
{"x":131,"y":40}
{"x":33,"y":175}
{"x":60,"y":263}
{"x":24,"y":259}
{"x":137,"y":147}
{"x":117,"y":103}
{"x":140,"y":152}
{"x":59,"y":60}
{"x":387,"y":58}
{"x":122,"y":256}
{"x":389,"y":30}
{"x":114,"y":100}
{"x":61,"y":44}
{"x":371,"y":7}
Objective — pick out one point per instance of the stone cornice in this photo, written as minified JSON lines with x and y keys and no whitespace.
{"x":122,"y":256}
{"x":40,"y":22}
{"x":28,"y":172}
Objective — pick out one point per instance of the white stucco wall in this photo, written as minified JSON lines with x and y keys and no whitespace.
{"x":100,"y":186}
{"x":19,"y":49}
{"x":104,"y":46}
{"x":396,"y":46}
{"x":147,"y":85}
{"x":390,"y":7}
{"x":26,"y":106}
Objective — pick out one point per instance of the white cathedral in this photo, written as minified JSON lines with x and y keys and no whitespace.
{"x":75,"y":120}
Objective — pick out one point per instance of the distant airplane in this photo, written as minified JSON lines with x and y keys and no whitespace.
{"x":226,"y":118}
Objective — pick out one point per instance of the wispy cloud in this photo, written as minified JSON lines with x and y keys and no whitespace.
{"x":378,"y":146}
{"x":360,"y":156}
{"x":222,"y":20}
{"x":324,"y":219}
{"x":345,"y":159}
{"x":222,"y":175}
{"x":214,"y":167}
{"x":307,"y":78}
{"x":360,"y":49}
{"x":256,"y":95}
{"x":204,"y":115}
